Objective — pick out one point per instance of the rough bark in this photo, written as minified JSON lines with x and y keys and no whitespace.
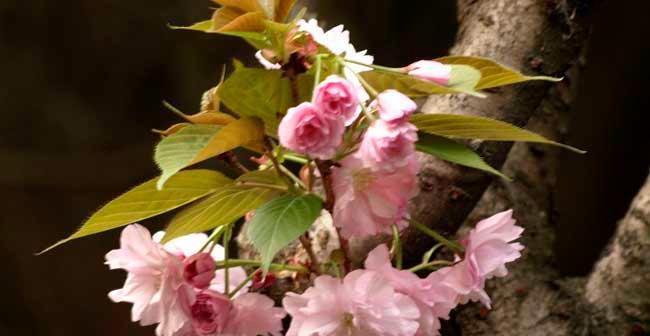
{"x":532,"y":35}
{"x":618,"y":289}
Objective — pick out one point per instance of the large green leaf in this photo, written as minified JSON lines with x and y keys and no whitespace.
{"x":463,"y":80}
{"x":471,"y":127}
{"x":452,"y":151}
{"x":145,"y":201}
{"x":253,"y":92}
{"x":280,"y":221}
{"x":227,"y":204}
{"x":493,"y":74}
{"x":195,"y":143}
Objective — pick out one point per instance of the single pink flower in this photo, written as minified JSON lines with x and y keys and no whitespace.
{"x":388,"y":147}
{"x":199,"y":270}
{"x":394,"y":107}
{"x":306,"y":130}
{"x":369,"y":202}
{"x":154,"y":282}
{"x":488,"y":247}
{"x":434,"y":298}
{"x":210,"y":313}
{"x":337,"y":98}
{"x":430,"y":71}
{"x":362,"y":304}
{"x":254,"y":314}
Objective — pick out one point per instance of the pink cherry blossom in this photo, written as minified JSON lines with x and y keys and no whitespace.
{"x":306,"y":130}
{"x":199,"y":270}
{"x":254,"y":314}
{"x":431,"y":71}
{"x":488,"y":247}
{"x":362,"y":304}
{"x":434,"y":298}
{"x":154,"y":282}
{"x":369,"y":202}
{"x":337,"y":98}
{"x":210,"y":313}
{"x":394,"y":107}
{"x":388,"y":147}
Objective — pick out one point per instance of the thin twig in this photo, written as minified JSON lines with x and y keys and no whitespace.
{"x":314,"y":266}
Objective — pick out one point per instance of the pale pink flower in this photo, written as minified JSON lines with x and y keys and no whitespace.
{"x":431,"y":71}
{"x":362,"y":304}
{"x":337,"y":41}
{"x":199,"y":270}
{"x":254,"y":314}
{"x":249,"y":314}
{"x":394,"y":107}
{"x":154,"y":282}
{"x":337,"y":98}
{"x":189,"y":245}
{"x":434,"y":298}
{"x":306,"y":130}
{"x":388,"y":147}
{"x":369,"y":202}
{"x":210,"y":313}
{"x":488,"y":247}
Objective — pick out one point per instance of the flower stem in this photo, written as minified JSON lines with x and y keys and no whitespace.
{"x":454,"y":246}
{"x":226,"y":247}
{"x":255,"y":263}
{"x":248,"y":279}
{"x":375,"y":66}
{"x":396,"y":248}
{"x":318,"y":66}
{"x":430,"y":264}
{"x":214,"y":236}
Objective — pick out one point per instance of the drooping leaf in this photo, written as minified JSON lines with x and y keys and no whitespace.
{"x":248,"y":22}
{"x":452,"y":151}
{"x":261,"y":177}
{"x":472,"y":127}
{"x":243,"y":5}
{"x":195,"y":143}
{"x":146,"y":201}
{"x":414,"y":87}
{"x":283,"y":9}
{"x":223,"y":207}
{"x":281,"y":221}
{"x":493,"y":74}
{"x":252,"y":92}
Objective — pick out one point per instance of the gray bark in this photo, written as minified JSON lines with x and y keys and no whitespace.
{"x":525,"y":34}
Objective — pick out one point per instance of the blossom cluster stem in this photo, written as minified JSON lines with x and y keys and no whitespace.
{"x":396,"y":249}
{"x":375,"y":66}
{"x":325,"y":169}
{"x":457,"y":248}
{"x":314,"y":266}
{"x":255,"y":263}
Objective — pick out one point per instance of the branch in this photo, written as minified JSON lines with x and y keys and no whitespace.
{"x":510,"y":31}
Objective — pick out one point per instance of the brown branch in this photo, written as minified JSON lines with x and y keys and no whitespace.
{"x":527,"y":29}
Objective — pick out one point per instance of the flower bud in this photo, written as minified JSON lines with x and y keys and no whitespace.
{"x":430,"y":71}
{"x":199,"y":270}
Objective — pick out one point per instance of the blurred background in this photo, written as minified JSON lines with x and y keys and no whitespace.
{"x":83,"y":82}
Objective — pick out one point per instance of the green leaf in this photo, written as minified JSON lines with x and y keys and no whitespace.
{"x":253,"y":92}
{"x":471,"y":127}
{"x":145,"y":201}
{"x":493,"y":74}
{"x":280,"y":221}
{"x":452,"y":151}
{"x":195,"y":143}
{"x":223,"y":207}
{"x":257,"y":39}
{"x":414,"y":87}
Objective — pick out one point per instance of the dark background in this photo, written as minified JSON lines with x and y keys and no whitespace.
{"x":83,"y":82}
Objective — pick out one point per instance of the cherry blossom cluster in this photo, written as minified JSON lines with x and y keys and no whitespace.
{"x":367,"y":143}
